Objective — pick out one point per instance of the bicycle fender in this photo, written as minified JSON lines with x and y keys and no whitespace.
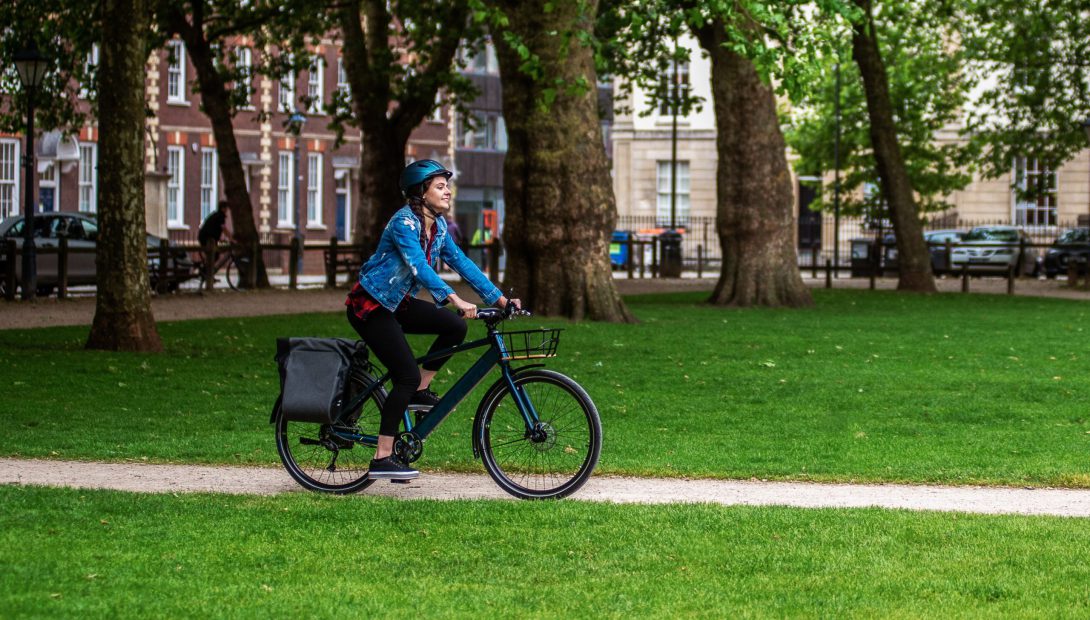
{"x":492,"y":389}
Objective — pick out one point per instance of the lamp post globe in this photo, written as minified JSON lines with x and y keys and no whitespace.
{"x":31,"y":66}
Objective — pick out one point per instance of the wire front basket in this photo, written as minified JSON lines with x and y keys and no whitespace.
{"x":535,"y":343}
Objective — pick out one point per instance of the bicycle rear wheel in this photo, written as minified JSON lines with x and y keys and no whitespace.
{"x":319,"y":459}
{"x":555,"y":457}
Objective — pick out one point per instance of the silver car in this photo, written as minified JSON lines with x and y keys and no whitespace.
{"x":995,"y":249}
{"x":81,"y":230}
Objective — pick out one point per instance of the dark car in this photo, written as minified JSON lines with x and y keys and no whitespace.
{"x":935,"y":240}
{"x":81,"y":230}
{"x":1072,"y":245}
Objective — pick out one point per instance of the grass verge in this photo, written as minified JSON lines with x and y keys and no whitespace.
{"x":99,"y":554}
{"x":866,"y":386}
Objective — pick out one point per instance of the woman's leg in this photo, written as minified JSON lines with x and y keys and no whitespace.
{"x":384,"y":336}
{"x":422,"y":317}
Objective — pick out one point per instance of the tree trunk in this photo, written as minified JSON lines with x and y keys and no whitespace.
{"x":123,"y":319}
{"x":912,"y":253}
{"x":755,"y":208}
{"x":384,"y":132}
{"x":216,"y":108}
{"x":559,"y":205}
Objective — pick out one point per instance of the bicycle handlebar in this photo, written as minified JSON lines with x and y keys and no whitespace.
{"x":498,"y":314}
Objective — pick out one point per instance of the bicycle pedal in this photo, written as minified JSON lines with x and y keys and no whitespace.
{"x":419,"y":408}
{"x":401,"y":481}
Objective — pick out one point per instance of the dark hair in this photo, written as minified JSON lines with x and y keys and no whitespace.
{"x":415,"y":199}
{"x":222,"y":205}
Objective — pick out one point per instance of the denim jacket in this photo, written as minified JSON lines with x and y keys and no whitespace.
{"x":399,"y":267}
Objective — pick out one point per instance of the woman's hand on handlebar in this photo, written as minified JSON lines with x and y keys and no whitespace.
{"x":504,"y":302}
{"x":463,"y":307}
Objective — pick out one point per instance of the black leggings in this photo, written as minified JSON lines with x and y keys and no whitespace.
{"x":384,"y":332}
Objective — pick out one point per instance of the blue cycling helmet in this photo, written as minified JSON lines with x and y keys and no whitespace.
{"x":419,"y":171}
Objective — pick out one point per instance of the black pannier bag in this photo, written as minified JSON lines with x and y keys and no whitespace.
{"x":313,"y":376}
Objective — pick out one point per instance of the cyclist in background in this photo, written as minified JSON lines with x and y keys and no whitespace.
{"x":383,"y":307}
{"x":211,"y":232}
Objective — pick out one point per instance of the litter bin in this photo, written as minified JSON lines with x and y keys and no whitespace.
{"x":670,"y":254}
{"x":862,"y":261}
{"x":618,"y":249}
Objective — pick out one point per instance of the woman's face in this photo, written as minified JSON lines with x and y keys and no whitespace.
{"x":437,"y":196}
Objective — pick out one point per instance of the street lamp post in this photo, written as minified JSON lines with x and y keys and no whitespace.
{"x":31,"y":67}
{"x":295,"y":127}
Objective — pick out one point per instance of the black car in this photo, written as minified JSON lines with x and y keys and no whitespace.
{"x":1072,"y":245}
{"x":81,"y":230}
{"x":935,"y":240}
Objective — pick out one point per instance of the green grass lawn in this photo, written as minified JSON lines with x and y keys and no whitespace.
{"x":863,"y":386}
{"x":97,"y":554}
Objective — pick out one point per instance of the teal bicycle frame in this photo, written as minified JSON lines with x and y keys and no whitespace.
{"x":495,"y":355}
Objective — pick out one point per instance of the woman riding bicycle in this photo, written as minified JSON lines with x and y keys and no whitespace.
{"x":382,"y":306}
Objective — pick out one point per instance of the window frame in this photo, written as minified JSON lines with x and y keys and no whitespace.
{"x":209,"y":192}
{"x":315,"y":170}
{"x":87,"y":178}
{"x":13,"y":203}
{"x":285,"y":190}
{"x":662,"y":192}
{"x":176,"y":183}
{"x":176,"y":67}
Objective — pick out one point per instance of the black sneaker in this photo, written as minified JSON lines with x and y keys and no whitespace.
{"x":391,"y":468}
{"x":424,"y":398}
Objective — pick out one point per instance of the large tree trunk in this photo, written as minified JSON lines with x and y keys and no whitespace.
{"x":381,"y":163}
{"x":123,"y":319}
{"x":913,"y":255}
{"x":370,"y":64}
{"x":216,"y":108}
{"x":559,"y":205}
{"x":754,"y":214}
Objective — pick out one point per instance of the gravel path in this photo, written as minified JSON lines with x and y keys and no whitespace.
{"x":444,"y":486}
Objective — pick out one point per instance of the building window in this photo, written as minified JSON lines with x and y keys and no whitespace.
{"x":176,"y":73}
{"x":209,"y":182}
{"x":315,"y":85}
{"x":9,"y":178}
{"x":88,"y":177}
{"x":90,"y":68}
{"x":1040,"y":209}
{"x":284,"y":191}
{"x":668,"y":90}
{"x":488,"y":131}
{"x":314,"y":189}
{"x":286,"y":97}
{"x":175,"y":196}
{"x":663,"y":209}
{"x":342,"y":79}
{"x":244,"y":64}
{"x":481,"y":59}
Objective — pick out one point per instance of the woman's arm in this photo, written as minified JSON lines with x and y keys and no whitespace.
{"x":453,"y":256}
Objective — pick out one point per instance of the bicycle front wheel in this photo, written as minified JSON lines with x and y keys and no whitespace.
{"x":321,"y":460}
{"x":232,"y":275}
{"x":552,"y":458}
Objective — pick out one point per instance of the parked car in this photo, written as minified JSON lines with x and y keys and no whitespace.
{"x":995,"y":249}
{"x":1062,"y":252}
{"x":931,"y":237}
{"x":81,"y":230}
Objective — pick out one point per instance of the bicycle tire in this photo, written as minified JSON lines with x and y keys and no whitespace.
{"x":561,"y":457}
{"x":307,"y":449}
{"x":232,"y":274}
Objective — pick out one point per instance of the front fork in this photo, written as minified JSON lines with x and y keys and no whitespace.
{"x":522,"y":400}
